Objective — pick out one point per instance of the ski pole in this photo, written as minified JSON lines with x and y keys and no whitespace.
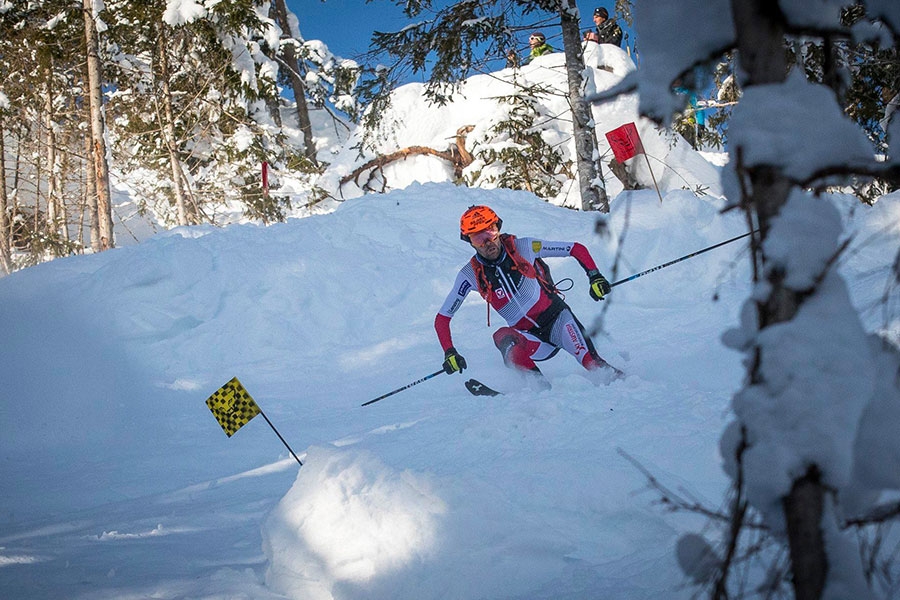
{"x":672,"y":262}
{"x":407,"y":386}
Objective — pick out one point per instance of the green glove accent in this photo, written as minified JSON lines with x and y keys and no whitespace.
{"x":453,"y":361}
{"x":599,"y":285}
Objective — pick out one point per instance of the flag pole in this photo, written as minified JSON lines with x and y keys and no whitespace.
{"x":652,"y":176}
{"x":279,"y":436}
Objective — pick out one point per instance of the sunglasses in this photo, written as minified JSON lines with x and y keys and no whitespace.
{"x":535,"y":38}
{"x":482,"y":238}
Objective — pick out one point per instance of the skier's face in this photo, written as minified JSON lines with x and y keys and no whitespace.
{"x":487,"y":242}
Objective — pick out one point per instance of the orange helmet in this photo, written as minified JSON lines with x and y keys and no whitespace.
{"x":475,"y":219}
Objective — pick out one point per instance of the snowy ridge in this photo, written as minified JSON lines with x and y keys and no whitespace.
{"x":412,"y":122}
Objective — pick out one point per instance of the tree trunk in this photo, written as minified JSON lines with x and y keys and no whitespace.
{"x":90,"y":187}
{"x":290,"y":59}
{"x":760,"y":41}
{"x":90,"y":192}
{"x":5,"y":234}
{"x":803,"y":509}
{"x":98,"y":131}
{"x":55,"y":217}
{"x":590,"y":182}
{"x":621,"y":172}
{"x":168,"y":127}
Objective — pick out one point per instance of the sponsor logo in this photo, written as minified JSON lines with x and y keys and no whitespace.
{"x":567,"y":248}
{"x":464,"y":288}
{"x":500,"y":293}
{"x":536,"y":246}
{"x":576,"y":339}
{"x":456,"y":304}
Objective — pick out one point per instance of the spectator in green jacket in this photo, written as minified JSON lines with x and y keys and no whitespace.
{"x":539,"y":45}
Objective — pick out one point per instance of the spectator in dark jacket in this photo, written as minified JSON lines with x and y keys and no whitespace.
{"x":608,"y":32}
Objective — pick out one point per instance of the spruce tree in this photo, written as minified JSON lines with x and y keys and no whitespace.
{"x":192,"y":105}
{"x":515,"y":156}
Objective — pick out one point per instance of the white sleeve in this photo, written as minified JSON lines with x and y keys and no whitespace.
{"x":465,"y":283}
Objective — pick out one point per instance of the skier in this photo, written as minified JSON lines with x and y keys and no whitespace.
{"x":509,"y":274}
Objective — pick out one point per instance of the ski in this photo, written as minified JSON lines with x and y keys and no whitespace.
{"x":476,"y":388}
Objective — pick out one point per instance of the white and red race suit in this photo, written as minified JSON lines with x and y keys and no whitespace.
{"x":539,"y":321}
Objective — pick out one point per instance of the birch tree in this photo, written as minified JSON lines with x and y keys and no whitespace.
{"x":5,"y":237}
{"x":98,"y":132}
{"x":187,"y":214}
{"x":590,"y":181}
{"x":56,"y":214}
{"x":41,"y":45}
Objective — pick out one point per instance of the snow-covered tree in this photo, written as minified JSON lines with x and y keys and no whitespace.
{"x":316,"y":77}
{"x":286,"y":48}
{"x":804,"y":448}
{"x":514,"y":154}
{"x":587,"y":156}
{"x":191,"y":104}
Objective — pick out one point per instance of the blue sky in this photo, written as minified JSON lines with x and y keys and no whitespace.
{"x":346,"y":26}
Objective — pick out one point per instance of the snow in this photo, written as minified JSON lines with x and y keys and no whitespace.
{"x":181,"y":12}
{"x":120,"y":484}
{"x":824,"y":400}
{"x":804,"y":240}
{"x":765,"y":123}
{"x":886,"y":10}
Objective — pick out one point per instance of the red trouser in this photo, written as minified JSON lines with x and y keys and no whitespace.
{"x":520,"y":349}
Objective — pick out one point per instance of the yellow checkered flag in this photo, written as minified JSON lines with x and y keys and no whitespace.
{"x":232,"y":406}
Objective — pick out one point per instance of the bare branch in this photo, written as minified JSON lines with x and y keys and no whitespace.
{"x":457,"y":155}
{"x":879,"y":514}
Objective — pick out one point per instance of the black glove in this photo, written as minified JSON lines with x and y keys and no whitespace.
{"x":453,"y":361}
{"x":599,"y":285}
